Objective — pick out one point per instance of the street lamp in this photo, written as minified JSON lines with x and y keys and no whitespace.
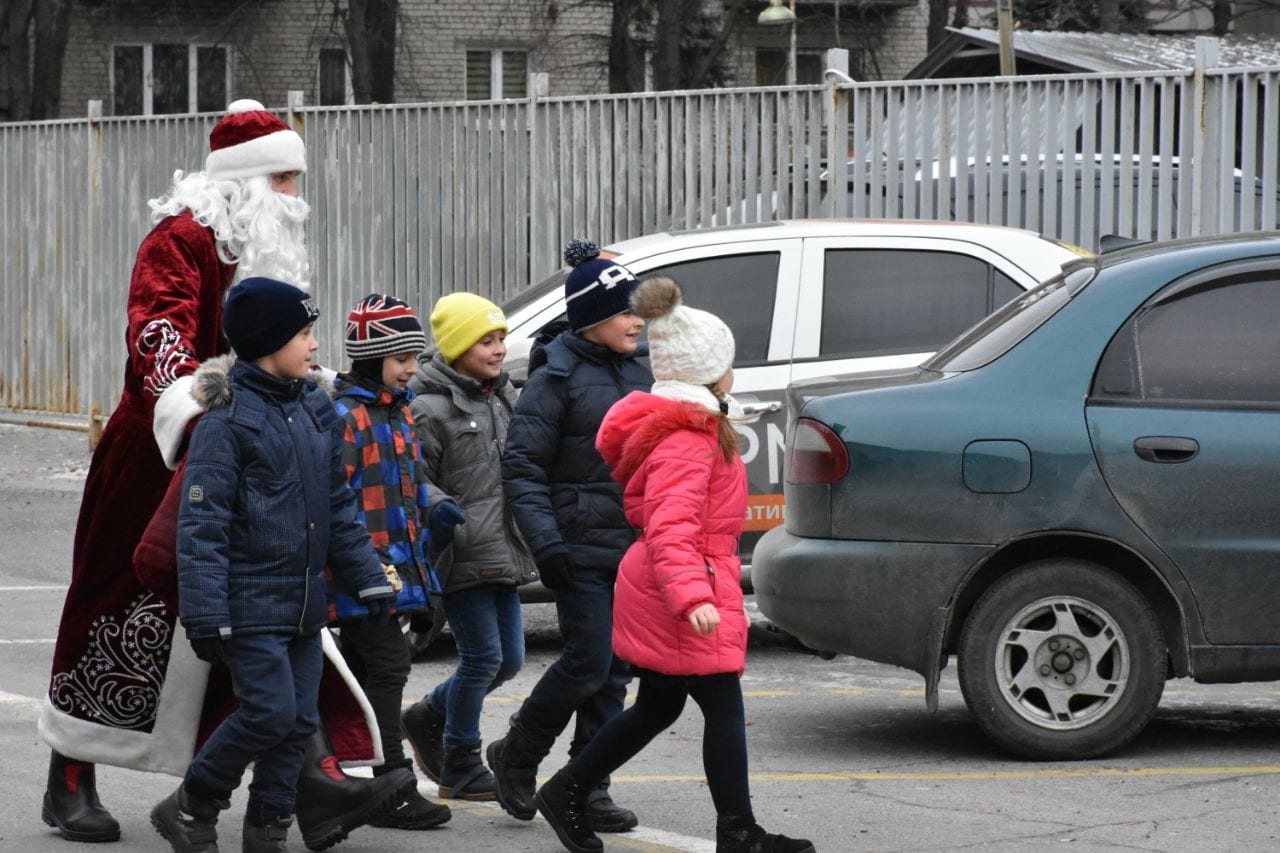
{"x":777,"y":14}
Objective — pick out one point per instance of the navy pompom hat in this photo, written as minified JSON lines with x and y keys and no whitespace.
{"x":597,"y":289}
{"x":261,"y":315}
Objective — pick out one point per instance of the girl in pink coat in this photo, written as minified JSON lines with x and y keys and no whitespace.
{"x":678,"y":615}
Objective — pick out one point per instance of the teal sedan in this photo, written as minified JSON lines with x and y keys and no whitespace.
{"x":1079,"y":498}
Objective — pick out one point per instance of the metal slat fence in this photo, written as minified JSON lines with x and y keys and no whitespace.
{"x":422,"y":200}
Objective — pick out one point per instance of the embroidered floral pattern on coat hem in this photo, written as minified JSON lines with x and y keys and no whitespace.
{"x":117,"y":680}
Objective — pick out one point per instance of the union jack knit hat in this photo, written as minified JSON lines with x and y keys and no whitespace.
{"x":249,"y":141}
{"x":381,"y":325}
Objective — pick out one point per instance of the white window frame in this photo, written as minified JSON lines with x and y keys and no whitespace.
{"x":495,"y":69}
{"x":193,"y":72}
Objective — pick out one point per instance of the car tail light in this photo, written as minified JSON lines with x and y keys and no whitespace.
{"x":816,"y":454}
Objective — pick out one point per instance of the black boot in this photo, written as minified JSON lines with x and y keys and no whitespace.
{"x":423,"y":727}
{"x":464,"y":776}
{"x":71,"y":802}
{"x":187,"y":822}
{"x":332,"y":804}
{"x":514,"y":761}
{"x":605,"y":815}
{"x":266,"y":839}
{"x":411,"y":810}
{"x":741,"y":834}
{"x":563,"y":802}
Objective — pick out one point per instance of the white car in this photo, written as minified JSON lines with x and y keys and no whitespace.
{"x":809,"y":298}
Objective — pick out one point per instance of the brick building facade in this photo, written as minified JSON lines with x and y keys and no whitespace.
{"x":155,"y":56}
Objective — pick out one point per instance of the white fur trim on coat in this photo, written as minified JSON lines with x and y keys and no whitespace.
{"x":339,"y":663}
{"x":174,"y":410}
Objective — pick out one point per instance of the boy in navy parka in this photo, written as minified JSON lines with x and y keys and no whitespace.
{"x":569,"y":510}
{"x":265,"y":507}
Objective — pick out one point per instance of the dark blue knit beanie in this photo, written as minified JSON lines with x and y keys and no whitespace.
{"x":597,"y":289}
{"x":261,"y":315}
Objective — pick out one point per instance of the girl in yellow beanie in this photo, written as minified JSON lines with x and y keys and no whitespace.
{"x":463,"y":404}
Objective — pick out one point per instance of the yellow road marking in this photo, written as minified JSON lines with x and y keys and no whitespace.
{"x":981,"y":775}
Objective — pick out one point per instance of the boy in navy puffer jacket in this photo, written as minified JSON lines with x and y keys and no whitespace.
{"x":569,"y":510}
{"x":265,"y":507}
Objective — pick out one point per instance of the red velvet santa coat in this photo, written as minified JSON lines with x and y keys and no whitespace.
{"x":689,"y":503}
{"x":126,"y":689}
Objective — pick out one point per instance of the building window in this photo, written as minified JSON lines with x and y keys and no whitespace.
{"x":494,"y":74}
{"x":771,"y":67}
{"x":160,"y":79}
{"x":335,"y":78}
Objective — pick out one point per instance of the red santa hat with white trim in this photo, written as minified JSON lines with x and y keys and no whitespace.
{"x":249,"y":141}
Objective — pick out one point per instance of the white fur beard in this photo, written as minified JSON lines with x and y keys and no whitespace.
{"x":261,"y":230}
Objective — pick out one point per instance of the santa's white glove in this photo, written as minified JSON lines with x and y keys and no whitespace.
{"x":174,"y":410}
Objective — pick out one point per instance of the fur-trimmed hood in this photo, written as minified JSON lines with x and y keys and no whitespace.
{"x":212,"y":386}
{"x":640,"y":421}
{"x":213,"y":380}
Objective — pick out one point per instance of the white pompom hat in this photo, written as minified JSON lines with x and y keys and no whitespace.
{"x":685,"y":344}
{"x":250,"y":141}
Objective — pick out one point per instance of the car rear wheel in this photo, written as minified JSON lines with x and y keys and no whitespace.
{"x":1062,"y":660}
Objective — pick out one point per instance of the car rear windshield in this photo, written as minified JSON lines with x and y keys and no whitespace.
{"x":1001,"y":332}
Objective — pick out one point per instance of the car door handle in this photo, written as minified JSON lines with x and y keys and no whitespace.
{"x":764,"y":407}
{"x":1166,"y":448}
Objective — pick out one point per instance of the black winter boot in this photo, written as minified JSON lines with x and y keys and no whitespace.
{"x":188,"y":823}
{"x":741,"y":834}
{"x":465,"y":777}
{"x":605,"y":815}
{"x":514,"y":761}
{"x":71,"y":802}
{"x":423,"y":727}
{"x":266,"y":839}
{"x":331,"y":804}
{"x":563,"y":802}
{"x":411,"y":810}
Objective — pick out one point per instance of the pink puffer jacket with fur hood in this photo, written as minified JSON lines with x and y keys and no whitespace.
{"x":690,"y":504}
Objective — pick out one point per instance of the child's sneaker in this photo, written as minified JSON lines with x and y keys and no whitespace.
{"x":414,"y":811}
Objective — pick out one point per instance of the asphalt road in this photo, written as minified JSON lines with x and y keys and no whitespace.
{"x":842,"y":751}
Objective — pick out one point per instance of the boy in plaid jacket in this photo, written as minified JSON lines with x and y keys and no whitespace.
{"x":384,"y":466}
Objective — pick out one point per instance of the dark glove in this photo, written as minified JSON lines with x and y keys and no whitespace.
{"x":210,"y":649}
{"x":556,"y":571}
{"x":379,"y":609}
{"x":446,"y":516}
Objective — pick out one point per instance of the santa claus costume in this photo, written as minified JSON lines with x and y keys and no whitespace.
{"x":126,"y":689}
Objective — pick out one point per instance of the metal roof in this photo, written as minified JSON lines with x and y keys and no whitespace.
{"x":1120,"y":52}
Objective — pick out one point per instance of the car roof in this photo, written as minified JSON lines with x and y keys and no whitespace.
{"x":1220,"y":247}
{"x":781,"y":229}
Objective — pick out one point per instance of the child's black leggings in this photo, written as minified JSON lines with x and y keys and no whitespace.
{"x":658,"y":704}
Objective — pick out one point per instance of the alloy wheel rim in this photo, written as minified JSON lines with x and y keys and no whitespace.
{"x":1062,"y":663}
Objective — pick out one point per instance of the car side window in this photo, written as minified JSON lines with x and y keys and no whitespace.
{"x":1217,"y":343}
{"x":1003,"y":289}
{"x":880,"y":301}
{"x":740,"y":289}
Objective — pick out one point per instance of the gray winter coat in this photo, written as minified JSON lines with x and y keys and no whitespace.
{"x":463,"y":431}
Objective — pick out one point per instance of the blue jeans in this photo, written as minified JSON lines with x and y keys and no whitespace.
{"x":587,"y":679}
{"x":489,"y":632}
{"x":276,"y":677}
